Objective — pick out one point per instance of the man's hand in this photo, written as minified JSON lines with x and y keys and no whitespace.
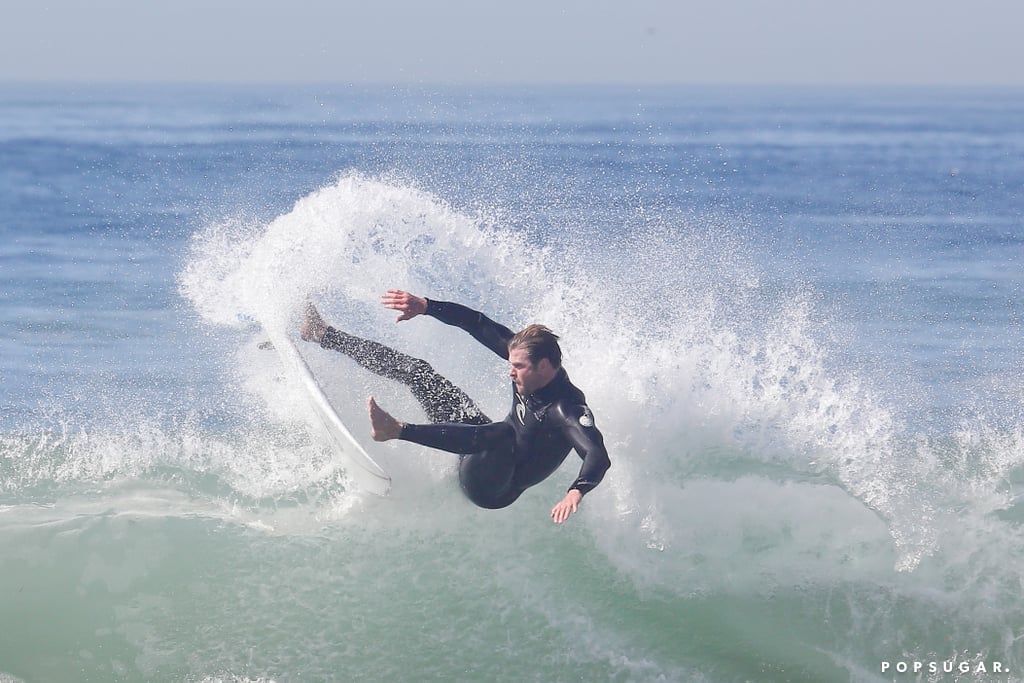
{"x":409,"y":304}
{"x":567,"y":506}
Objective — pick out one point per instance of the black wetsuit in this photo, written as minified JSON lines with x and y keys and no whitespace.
{"x":499,"y":460}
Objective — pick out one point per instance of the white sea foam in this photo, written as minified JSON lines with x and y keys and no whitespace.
{"x":751,"y":465}
{"x":692,"y":363}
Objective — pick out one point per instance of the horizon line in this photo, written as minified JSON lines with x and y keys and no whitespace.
{"x":278,"y":83}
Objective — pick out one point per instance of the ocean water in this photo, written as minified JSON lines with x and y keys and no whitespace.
{"x":796,"y":314}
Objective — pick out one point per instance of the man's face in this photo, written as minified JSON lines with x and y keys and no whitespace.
{"x":528,"y":377}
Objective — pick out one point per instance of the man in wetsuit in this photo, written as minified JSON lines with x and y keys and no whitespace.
{"x":498,"y":460}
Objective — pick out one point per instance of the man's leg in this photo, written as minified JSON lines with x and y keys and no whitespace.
{"x":486,"y":453}
{"x":487,"y":463}
{"x":440,"y":399}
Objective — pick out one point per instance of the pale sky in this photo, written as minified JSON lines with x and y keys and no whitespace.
{"x":525,"y":41}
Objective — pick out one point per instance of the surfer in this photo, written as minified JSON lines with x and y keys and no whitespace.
{"x":498,"y":460}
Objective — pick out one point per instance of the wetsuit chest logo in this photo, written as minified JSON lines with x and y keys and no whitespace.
{"x":521,"y":409}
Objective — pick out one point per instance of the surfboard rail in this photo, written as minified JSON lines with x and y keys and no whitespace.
{"x":363,"y":470}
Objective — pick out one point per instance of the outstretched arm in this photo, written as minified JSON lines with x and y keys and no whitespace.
{"x":578,"y":425}
{"x":489,"y":333}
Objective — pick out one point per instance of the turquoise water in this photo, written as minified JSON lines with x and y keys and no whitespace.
{"x":796,"y":315}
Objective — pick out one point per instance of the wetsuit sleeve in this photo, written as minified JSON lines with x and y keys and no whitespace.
{"x":577,"y":422}
{"x":489,"y":333}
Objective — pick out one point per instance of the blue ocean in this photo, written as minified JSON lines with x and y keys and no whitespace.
{"x":796,"y":314}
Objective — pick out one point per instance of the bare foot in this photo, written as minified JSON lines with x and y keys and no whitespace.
{"x":313,"y":326}
{"x":383,"y":427}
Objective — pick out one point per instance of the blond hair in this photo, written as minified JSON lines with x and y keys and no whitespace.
{"x":539,"y":342}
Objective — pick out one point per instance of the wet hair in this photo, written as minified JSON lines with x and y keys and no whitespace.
{"x":539,"y":342}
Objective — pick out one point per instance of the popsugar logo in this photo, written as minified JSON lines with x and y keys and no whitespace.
{"x":946,"y":667}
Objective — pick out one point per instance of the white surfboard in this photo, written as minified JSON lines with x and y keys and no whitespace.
{"x":360,"y":466}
